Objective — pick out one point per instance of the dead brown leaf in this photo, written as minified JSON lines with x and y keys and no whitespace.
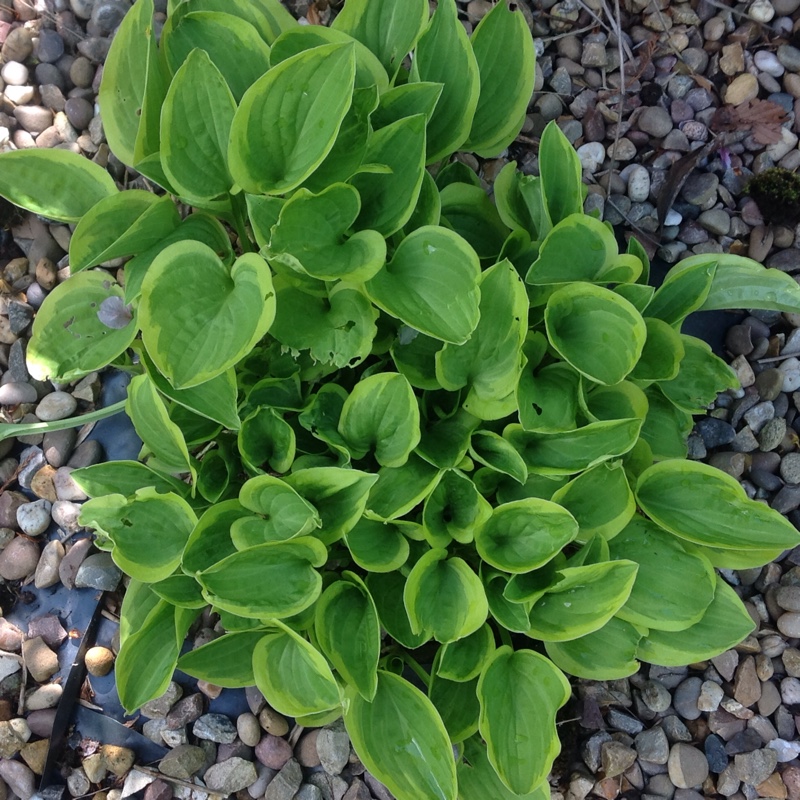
{"x":762,"y":118}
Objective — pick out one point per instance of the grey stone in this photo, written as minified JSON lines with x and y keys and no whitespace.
{"x":82,"y":8}
{"x":50,"y":47}
{"x":159,"y":708}
{"x":333,"y":747}
{"x":34,"y":518}
{"x":34,"y":119}
{"x":72,"y":561}
{"x":715,"y":752}
{"x":591,"y":749}
{"x":717,"y":221}
{"x":19,"y":777}
{"x":12,"y":394}
{"x":656,"y":121}
{"x":230,"y":776}
{"x":622,"y":721}
{"x":286,"y":783}
{"x":98,"y":571}
{"x":790,"y":468}
{"x":309,"y":792}
{"x":789,"y":57}
{"x":106,"y":16}
{"x":715,"y":432}
{"x":57,"y":446}
{"x":687,"y":766}
{"x":700,"y":188}
{"x":215,"y":728}
{"x":616,"y":758}
{"x":55,"y":406}
{"x":652,"y":745}
{"x":183,"y":762}
{"x":79,"y":112}
{"x":756,"y":766}
{"x":248,"y":729}
{"x":686,"y":697}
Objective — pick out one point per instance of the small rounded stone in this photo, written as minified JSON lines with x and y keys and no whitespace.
{"x":14,"y":73}
{"x":13,"y":393}
{"x":99,"y":661}
{"x":79,"y":112}
{"x":55,"y":406}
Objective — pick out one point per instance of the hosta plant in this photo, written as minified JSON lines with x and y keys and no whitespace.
{"x":421,"y":451}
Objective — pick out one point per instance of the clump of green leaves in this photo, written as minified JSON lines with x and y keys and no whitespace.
{"x":388,"y":424}
{"x":777,"y":192}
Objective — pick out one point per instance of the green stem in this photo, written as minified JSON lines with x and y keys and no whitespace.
{"x":239,"y":208}
{"x":417,"y":669}
{"x":505,"y":636}
{"x":10,"y":429}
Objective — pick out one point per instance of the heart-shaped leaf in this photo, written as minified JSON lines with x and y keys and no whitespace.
{"x":69,"y":339}
{"x":195,"y":127}
{"x":520,"y":693}
{"x":338,"y":330}
{"x":310,"y":236}
{"x":430,"y":263}
{"x":348,"y":632}
{"x":293,"y":675}
{"x":391,"y":732}
{"x":287,"y":121}
{"x":444,"y":597}
{"x":381,"y":414}
{"x":200,"y":317}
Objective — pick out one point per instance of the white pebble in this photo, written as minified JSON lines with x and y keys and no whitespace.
{"x":14,"y":73}
{"x":591,"y":155}
{"x":673,"y":218}
{"x":19,"y":95}
{"x":786,"y":750}
{"x":767,"y":61}
{"x":639,"y":184}
{"x":791,"y":370}
{"x":761,"y":11}
{"x":34,"y":518}
{"x":787,"y":143}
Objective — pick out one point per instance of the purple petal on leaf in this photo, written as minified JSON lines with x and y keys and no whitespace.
{"x":114,"y":313}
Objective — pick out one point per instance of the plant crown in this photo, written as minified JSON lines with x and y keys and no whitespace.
{"x":398,"y":425}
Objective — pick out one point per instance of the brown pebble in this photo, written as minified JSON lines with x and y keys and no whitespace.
{"x":99,"y":661}
{"x":273,"y":722}
{"x":46,"y":274}
{"x":41,"y":661}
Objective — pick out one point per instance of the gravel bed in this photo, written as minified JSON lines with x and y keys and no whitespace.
{"x":693,"y":72}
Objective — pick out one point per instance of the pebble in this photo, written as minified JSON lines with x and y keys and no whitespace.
{"x":591,"y":155}
{"x":50,"y":46}
{"x":98,"y":571}
{"x":19,"y":777}
{"x":639,"y":184}
{"x":159,"y":708}
{"x":183,"y":762}
{"x":99,"y":661}
{"x":55,"y":406}
{"x":652,"y":746}
{"x":248,"y":728}
{"x":79,"y":112}
{"x":215,"y":728}
{"x":14,"y":73}
{"x":34,"y":518}
{"x":18,"y":45}
{"x":756,"y":766}
{"x":789,"y":57}
{"x":285,"y":785}
{"x":714,"y":749}
{"x":687,"y":766}
{"x":333,"y":747}
{"x":656,"y":121}
{"x":790,"y":691}
{"x":19,"y":559}
{"x":46,"y":574}
{"x":15,"y":393}
{"x":229,"y":776}
{"x":40,"y":660}
{"x":273,"y":751}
